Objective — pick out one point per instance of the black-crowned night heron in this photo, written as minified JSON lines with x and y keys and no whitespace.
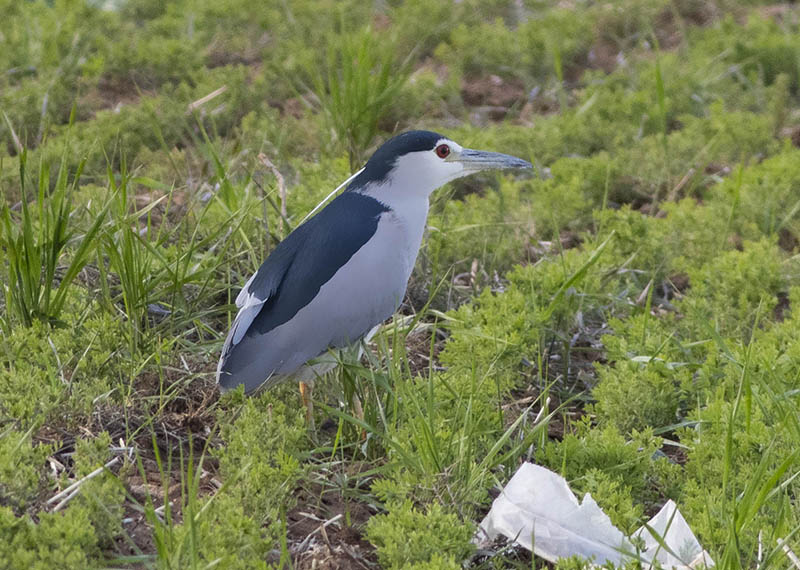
{"x":344,"y":271}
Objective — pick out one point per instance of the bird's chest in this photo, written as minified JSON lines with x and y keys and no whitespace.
{"x":400,"y":234}
{"x":375,"y":278}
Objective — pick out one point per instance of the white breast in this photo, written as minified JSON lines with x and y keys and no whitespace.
{"x":366,"y":291}
{"x":371,"y":285}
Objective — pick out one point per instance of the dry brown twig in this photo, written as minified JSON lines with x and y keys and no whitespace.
{"x":681,"y":183}
{"x":281,"y":187}
{"x":789,"y":553}
{"x":14,"y":137}
{"x":320,"y":529}
{"x":760,"y":551}
{"x":202,"y":100}
{"x":67,"y":494}
{"x":640,"y":300}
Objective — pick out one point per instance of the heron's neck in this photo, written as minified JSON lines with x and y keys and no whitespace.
{"x":409,"y":209}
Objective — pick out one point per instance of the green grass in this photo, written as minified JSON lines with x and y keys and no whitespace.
{"x":627,"y":316}
{"x":356,"y":85}
{"x":36,"y":241}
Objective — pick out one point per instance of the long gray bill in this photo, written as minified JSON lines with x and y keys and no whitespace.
{"x":485,"y":160}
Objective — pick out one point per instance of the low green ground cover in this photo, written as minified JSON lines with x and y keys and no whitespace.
{"x":627,"y":316}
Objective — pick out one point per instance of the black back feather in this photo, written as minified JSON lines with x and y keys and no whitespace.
{"x":302,"y":263}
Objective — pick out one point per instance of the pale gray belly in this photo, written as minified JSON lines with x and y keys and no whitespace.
{"x":363,"y":293}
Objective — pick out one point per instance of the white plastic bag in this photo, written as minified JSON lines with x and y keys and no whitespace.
{"x":538,"y":511}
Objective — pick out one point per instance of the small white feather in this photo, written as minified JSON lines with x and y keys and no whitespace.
{"x":244,"y":294}
{"x":243,"y":321}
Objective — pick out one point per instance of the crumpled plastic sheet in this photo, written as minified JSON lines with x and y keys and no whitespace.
{"x":538,"y":511}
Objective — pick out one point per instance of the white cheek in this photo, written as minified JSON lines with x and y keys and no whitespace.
{"x":455,"y":170}
{"x":440,"y":171}
{"x":424,"y":174}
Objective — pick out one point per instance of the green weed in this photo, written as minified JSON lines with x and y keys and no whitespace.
{"x":35,"y":244}
{"x":355,"y":87}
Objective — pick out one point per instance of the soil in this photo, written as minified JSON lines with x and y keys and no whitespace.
{"x":325,"y":529}
{"x":493,"y":96}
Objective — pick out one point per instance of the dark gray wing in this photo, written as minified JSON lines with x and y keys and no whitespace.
{"x":265,"y":283}
{"x":296,"y":270}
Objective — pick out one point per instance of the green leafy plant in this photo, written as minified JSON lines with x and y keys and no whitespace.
{"x":407,"y":536}
{"x":355,"y":86}
{"x":35,"y":244}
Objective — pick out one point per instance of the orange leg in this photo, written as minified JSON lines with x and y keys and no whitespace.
{"x":306,"y":390}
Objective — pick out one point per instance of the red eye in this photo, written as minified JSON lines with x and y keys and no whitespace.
{"x":442,"y":151}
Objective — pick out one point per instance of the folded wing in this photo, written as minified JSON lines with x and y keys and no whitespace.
{"x":289,"y":280}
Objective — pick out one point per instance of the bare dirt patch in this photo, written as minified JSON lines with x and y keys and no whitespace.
{"x":493,"y":95}
{"x":325,"y":529}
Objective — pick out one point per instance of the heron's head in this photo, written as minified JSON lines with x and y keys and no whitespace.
{"x":419,"y":162}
